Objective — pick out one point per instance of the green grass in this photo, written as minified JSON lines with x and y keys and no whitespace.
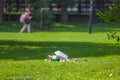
{"x":22,"y":55}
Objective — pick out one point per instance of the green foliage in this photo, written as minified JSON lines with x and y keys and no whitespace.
{"x":42,"y":18}
{"x":46,"y":17}
{"x":113,"y":35}
{"x":13,"y":13}
{"x":41,"y":3}
{"x":112,"y":16}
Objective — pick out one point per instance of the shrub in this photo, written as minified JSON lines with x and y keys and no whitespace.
{"x":43,"y":20}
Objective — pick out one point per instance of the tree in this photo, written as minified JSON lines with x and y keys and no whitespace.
{"x":112,"y":16}
{"x":42,"y":16}
{"x":64,"y":6}
{"x":1,"y":10}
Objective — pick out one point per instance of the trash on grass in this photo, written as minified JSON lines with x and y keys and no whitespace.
{"x":58,"y":56}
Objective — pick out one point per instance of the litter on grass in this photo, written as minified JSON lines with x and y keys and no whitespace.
{"x":58,"y":56}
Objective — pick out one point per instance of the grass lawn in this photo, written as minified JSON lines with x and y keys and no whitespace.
{"x":22,"y":55}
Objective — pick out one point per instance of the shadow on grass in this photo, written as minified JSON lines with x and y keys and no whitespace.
{"x":17,"y":50}
{"x":83,"y":27}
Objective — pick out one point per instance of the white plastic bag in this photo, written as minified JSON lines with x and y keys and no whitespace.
{"x":61,"y":55}
{"x":22,"y":18}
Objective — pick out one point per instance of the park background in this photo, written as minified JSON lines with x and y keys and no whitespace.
{"x":91,"y":43}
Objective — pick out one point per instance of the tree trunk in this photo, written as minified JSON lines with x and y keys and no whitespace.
{"x":1,"y":10}
{"x":64,"y":15}
{"x":90,"y":17}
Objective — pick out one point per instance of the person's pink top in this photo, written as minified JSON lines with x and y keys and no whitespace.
{"x":26,"y":16}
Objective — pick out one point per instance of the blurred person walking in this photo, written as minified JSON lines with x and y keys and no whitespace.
{"x":26,"y":20}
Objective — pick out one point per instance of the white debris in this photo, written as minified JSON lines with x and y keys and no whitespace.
{"x":61,"y":55}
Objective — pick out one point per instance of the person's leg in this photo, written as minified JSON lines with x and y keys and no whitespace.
{"x":29,"y":28}
{"x":23,"y":28}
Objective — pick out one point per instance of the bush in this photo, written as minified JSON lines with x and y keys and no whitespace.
{"x":112,"y":16}
{"x":43,"y":20}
